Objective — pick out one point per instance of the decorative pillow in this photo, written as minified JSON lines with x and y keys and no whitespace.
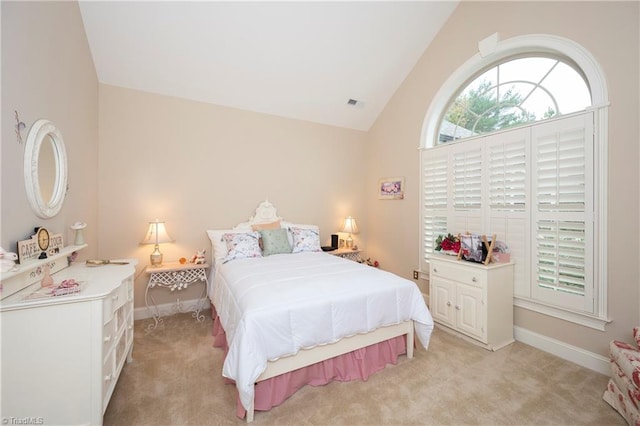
{"x":241,"y":245}
{"x":274,"y":241}
{"x":219,"y":246}
{"x":270,"y":225}
{"x":305,"y":239}
{"x":289,"y":225}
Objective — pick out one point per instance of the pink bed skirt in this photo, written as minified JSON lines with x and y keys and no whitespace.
{"x":356,"y":365}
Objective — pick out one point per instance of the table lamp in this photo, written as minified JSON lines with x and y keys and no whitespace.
{"x":351,"y":227}
{"x":156,"y":234}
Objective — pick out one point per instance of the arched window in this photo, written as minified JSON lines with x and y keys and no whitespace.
{"x":533,"y":170}
{"x":514,"y":92}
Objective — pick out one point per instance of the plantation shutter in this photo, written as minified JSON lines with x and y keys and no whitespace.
{"x":534,"y":188}
{"x":508,"y":175}
{"x":435,"y":184}
{"x":435,"y":178}
{"x":508,"y":197}
{"x":467,"y":178}
{"x":563,"y":215}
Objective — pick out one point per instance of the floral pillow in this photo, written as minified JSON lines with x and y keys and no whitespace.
{"x":241,"y":245}
{"x":305,"y":239}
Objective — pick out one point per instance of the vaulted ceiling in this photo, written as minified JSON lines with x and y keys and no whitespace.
{"x":302,"y":60}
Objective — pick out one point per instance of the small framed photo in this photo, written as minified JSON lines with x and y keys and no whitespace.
{"x":476,"y":248}
{"x":391,"y":188}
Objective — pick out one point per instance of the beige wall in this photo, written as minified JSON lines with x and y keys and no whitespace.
{"x":610,"y":32}
{"x":200,"y":166}
{"x":48,"y":72}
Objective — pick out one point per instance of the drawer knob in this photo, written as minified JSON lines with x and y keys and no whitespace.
{"x":435,"y":269}
{"x":474,"y":279}
{"x":448,"y":303}
{"x":458,"y":307}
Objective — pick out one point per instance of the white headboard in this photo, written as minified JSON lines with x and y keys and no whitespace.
{"x":265,"y":213}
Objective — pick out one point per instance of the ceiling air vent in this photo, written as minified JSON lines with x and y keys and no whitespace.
{"x":355,"y":103}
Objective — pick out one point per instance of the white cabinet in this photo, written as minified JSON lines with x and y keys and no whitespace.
{"x":473,"y":299}
{"x":61,"y":356}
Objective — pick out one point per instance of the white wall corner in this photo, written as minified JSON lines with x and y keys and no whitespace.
{"x":563,"y":350}
{"x":488,"y":45}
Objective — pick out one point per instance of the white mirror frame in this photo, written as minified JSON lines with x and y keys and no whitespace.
{"x":39,"y":131}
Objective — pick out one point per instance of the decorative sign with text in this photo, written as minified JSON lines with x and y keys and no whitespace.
{"x":40,"y":246}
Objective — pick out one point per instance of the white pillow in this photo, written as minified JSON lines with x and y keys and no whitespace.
{"x":219,"y":246}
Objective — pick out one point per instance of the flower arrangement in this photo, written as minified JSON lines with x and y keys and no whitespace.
{"x":449,"y":244}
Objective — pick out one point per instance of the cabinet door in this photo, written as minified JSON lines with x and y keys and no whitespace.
{"x":442,"y":300}
{"x":470,"y":311}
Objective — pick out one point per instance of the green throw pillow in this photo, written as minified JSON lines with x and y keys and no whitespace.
{"x":274,"y":241}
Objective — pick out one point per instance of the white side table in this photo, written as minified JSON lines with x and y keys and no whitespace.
{"x":348,"y":253}
{"x":175,"y":277}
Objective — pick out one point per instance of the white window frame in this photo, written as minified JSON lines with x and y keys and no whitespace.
{"x":493,"y":51}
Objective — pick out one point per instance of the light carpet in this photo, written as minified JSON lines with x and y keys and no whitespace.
{"x":175,"y":379}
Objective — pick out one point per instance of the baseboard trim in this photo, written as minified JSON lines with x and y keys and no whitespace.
{"x":170,"y":308}
{"x":563,"y":350}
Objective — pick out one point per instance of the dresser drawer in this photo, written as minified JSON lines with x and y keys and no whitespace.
{"x":108,"y":337}
{"x":116,"y":299}
{"x":107,"y":307}
{"x":119,"y":297}
{"x":109,"y":376}
{"x":128,"y":286}
{"x":458,"y":272}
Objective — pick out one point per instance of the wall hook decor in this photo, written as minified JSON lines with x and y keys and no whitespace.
{"x":20,"y":126}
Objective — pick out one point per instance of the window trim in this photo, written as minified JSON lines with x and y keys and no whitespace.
{"x":492,"y":51}
{"x":498,"y":51}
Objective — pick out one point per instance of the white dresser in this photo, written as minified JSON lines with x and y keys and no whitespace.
{"x":473,"y":299}
{"x":62,"y":356}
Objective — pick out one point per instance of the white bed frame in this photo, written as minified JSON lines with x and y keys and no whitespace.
{"x":266,"y":213}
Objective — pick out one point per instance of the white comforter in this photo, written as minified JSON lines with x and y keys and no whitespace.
{"x":273,"y":306}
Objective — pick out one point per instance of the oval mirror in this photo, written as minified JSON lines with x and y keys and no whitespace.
{"x":45,"y":169}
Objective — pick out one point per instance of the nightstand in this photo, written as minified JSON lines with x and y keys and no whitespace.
{"x":348,"y":254}
{"x":175,"y":277}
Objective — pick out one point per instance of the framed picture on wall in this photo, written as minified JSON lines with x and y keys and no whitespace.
{"x":391,"y":188}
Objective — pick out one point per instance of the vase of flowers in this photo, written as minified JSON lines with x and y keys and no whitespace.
{"x":448,"y":244}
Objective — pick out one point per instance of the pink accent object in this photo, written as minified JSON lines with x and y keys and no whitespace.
{"x":47,"y":280}
{"x":623,"y":389}
{"x":356,"y":365}
{"x":628,"y":359}
{"x":501,"y":257}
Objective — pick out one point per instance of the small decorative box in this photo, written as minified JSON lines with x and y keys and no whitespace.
{"x":501,"y":257}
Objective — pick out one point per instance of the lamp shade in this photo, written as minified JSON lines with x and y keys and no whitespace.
{"x":350,"y":226}
{"x":157,"y":234}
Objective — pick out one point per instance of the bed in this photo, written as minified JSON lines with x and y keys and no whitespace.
{"x":282,"y":307}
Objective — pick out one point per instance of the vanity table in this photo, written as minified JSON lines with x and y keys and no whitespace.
{"x":62,"y":355}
